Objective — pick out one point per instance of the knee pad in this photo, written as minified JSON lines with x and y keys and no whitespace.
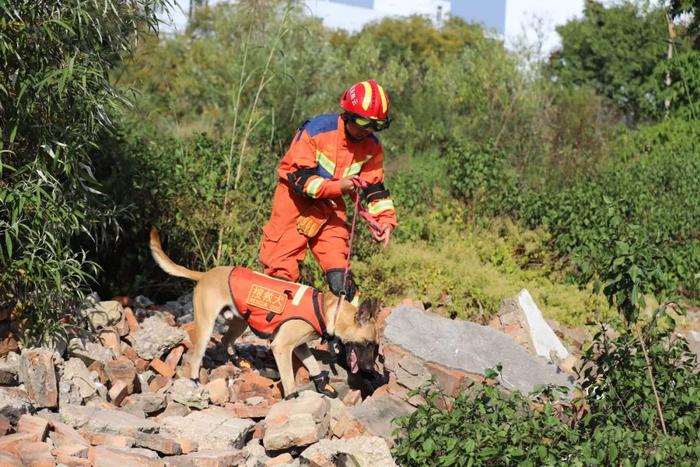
{"x":334,"y":277}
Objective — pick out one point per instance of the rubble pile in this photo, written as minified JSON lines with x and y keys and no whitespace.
{"x":117,"y":390}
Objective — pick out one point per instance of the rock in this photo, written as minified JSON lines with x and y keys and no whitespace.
{"x":468,"y":347}
{"x":65,"y":435}
{"x":31,"y":424}
{"x":297,"y":422}
{"x":9,"y":369}
{"x":218,"y":391}
{"x":106,"y":456}
{"x":146,"y":403}
{"x":155,"y":337}
{"x":363,"y":451}
{"x":210,"y":430}
{"x":102,"y":314}
{"x":376,"y":414}
{"x":411,"y":373}
{"x":10,"y":460}
{"x":105,"y":420}
{"x":13,"y":406}
{"x":89,"y":352}
{"x":208,"y":458}
{"x":544,"y":341}
{"x":162,"y":444}
{"x":76,"y":373}
{"x":189,"y":393}
{"x":35,"y":454}
{"x":38,"y":374}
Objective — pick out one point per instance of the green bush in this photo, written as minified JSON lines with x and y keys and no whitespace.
{"x":56,"y":102}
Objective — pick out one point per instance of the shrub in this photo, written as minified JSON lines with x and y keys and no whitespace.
{"x":56,"y":102}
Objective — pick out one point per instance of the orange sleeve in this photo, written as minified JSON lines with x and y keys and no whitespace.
{"x":301,"y":169}
{"x":379,"y":203}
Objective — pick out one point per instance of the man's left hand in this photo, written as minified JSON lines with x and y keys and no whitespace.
{"x":385,"y":234}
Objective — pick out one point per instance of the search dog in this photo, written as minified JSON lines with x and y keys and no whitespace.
{"x":355,"y":326}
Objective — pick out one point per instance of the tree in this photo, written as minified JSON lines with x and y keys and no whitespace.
{"x":614,"y":50}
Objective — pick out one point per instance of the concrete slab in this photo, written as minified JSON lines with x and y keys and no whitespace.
{"x":469,"y":347}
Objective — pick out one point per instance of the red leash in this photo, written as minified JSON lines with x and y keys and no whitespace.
{"x":376,"y":230}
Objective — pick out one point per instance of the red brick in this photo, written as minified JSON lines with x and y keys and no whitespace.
{"x":162,"y":444}
{"x":110,"y":339}
{"x":71,"y":450}
{"x":118,"y":392}
{"x":250,"y":384}
{"x":71,"y":461}
{"x":35,"y":454}
{"x":162,"y":368}
{"x":131,"y":319}
{"x":117,"y":441}
{"x":187,"y":445}
{"x":63,"y":435}
{"x":449,"y":380}
{"x":158,"y":382}
{"x":129,"y":352}
{"x":41,"y":382}
{"x":122,"y":369}
{"x":99,"y":368}
{"x":173,"y":358}
{"x":9,"y":443}
{"x":106,"y":456}
{"x":260,"y":410}
{"x":8,"y":459}
{"x":33,"y":425}
{"x":282,"y":459}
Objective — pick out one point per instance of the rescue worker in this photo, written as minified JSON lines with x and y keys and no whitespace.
{"x":330,"y":156}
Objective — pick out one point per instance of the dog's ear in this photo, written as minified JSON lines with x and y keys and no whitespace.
{"x":369,"y":308}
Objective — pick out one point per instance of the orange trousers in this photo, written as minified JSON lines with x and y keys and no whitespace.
{"x":283,"y":248}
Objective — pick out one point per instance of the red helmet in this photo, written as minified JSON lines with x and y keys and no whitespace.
{"x":366,"y":99}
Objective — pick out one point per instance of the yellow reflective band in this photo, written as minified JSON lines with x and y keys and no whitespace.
{"x":380,"y":206}
{"x":355,"y":168}
{"x":382,"y":96}
{"x":368,"y":95}
{"x":313,"y":185}
{"x":325,"y":162}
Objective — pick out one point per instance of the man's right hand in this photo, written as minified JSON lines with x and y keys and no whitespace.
{"x":347,"y":186}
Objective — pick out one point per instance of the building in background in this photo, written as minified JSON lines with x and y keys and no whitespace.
{"x":529,"y":21}
{"x":353,"y":14}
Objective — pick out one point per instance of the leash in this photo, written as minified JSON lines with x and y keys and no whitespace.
{"x":359,"y":184}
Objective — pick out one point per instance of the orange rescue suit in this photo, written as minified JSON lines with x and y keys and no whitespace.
{"x":309,"y":184}
{"x":265,"y":302}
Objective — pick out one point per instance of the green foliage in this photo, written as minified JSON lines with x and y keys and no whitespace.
{"x":614,"y":422}
{"x":482,"y":426}
{"x":56,"y":102}
{"x":614,"y":50}
{"x":650,"y":189}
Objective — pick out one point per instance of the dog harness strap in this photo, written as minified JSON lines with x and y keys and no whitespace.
{"x":266,"y":302}
{"x":318,"y":313}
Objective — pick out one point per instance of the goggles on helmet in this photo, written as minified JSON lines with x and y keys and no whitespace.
{"x":371,"y":123}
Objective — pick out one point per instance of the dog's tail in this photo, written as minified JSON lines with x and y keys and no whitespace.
{"x":167,"y":264}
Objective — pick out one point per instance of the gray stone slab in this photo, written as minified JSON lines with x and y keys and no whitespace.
{"x":469,"y":347}
{"x":376,"y":414}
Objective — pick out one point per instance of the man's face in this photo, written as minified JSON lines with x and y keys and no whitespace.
{"x":357,"y":132}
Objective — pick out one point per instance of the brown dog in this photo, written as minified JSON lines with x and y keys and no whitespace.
{"x":355,"y":326}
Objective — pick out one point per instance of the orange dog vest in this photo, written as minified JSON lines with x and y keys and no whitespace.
{"x":266,"y":302}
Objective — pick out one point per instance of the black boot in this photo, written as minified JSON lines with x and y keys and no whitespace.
{"x":321,"y":381}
